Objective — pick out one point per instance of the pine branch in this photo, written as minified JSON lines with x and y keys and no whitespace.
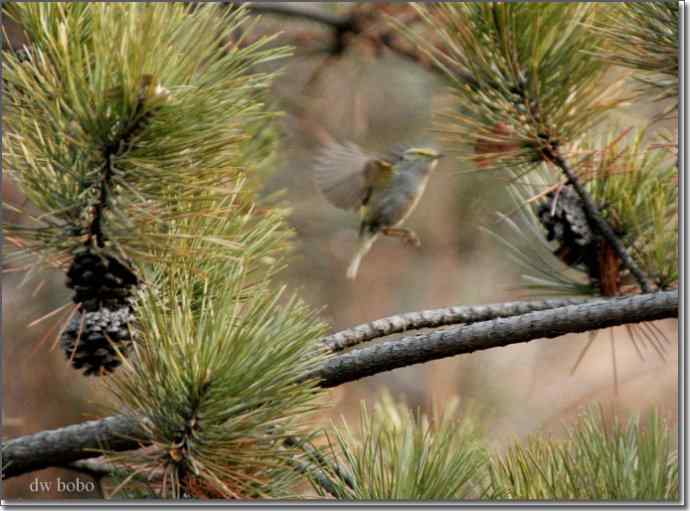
{"x":600,"y":223}
{"x":96,"y":468}
{"x":121,"y":433}
{"x":496,"y":333}
{"x":435,"y":318}
{"x":110,"y":152}
{"x":59,"y":447}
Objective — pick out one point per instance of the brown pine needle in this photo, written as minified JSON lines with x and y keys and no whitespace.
{"x":49,"y":333}
{"x":614,"y":363}
{"x":660,"y":332}
{"x":49,"y":315}
{"x":76,"y":344}
{"x":633,"y":335}
{"x":38,"y":288}
{"x":592,"y":336}
{"x":544,"y":193}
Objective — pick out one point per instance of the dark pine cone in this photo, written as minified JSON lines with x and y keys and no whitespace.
{"x":565,"y":221}
{"x":90,"y":339}
{"x":103,"y":287}
{"x":100,"y":281}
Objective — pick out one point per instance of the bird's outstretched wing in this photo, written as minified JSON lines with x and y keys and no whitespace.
{"x":345,"y":174}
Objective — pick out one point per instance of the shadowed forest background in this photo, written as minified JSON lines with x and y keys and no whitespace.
{"x":376,"y":98}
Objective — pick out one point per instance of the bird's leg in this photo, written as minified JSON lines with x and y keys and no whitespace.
{"x":407,"y":235}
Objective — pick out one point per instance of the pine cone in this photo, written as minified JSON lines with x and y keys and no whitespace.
{"x":100,"y":281}
{"x":566,"y":223}
{"x":566,"y":220}
{"x":90,"y":339}
{"x":103,"y":287}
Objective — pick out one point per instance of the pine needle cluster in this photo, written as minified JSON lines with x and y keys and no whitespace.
{"x":530,"y":83}
{"x":401,"y":455}
{"x":598,"y":460}
{"x":133,"y":113}
{"x":215,"y":379}
{"x":644,"y":36}
{"x":524,"y":76}
{"x":122,"y":122}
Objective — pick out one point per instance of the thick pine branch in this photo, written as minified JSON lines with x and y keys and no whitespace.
{"x":121,"y":433}
{"x":500,"y":332}
{"x":59,"y":447}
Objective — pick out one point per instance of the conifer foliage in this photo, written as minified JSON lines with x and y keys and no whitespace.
{"x":89,"y":109}
{"x":531,"y":82}
{"x":140,"y":134}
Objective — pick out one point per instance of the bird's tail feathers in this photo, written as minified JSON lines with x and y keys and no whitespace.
{"x":365,"y":244}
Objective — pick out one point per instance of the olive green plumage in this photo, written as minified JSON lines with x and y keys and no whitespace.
{"x":384,"y":190}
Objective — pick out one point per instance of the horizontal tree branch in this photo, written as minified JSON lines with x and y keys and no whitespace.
{"x":121,"y":433}
{"x":60,"y":447}
{"x":496,"y":333}
{"x":435,"y":318}
{"x":95,"y":467}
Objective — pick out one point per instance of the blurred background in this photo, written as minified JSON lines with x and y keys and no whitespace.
{"x":377,"y":98}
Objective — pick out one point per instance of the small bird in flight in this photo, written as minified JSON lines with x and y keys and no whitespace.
{"x":384,"y":190}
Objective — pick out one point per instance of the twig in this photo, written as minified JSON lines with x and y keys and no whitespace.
{"x":352,"y":24}
{"x":121,"y":433}
{"x":435,"y":318}
{"x":600,"y":223}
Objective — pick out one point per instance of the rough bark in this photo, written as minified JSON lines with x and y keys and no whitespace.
{"x":59,"y":447}
{"x":435,"y":318}
{"x":458,"y":340}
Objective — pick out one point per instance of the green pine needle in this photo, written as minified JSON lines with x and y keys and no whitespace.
{"x":598,"y":460}
{"x":83,"y":131}
{"x":400,"y":455}
{"x":638,"y":186}
{"x":214,"y":374}
{"x":643,"y":36}
{"x":635,"y":185}
{"x":524,"y":76}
